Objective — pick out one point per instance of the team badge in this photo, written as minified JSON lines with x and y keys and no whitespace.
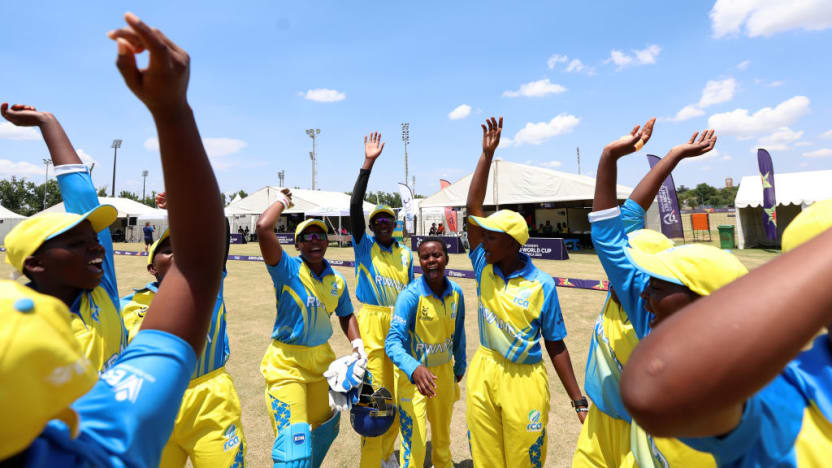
{"x":534,"y":421}
{"x":231,"y":438}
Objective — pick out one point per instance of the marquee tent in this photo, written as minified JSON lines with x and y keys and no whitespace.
{"x":794,"y":192}
{"x":8,"y":220}
{"x":131,"y":217}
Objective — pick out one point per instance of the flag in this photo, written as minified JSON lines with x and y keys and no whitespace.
{"x":769,"y":200}
{"x":668,"y":205}
{"x":450,"y":214}
{"x":409,"y":207}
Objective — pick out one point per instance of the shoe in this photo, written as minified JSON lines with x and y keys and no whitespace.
{"x":391,"y":462}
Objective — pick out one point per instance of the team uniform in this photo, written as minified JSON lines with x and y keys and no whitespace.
{"x":381,"y":273}
{"x":293,"y":366}
{"x":609,"y":437}
{"x":427,"y":330}
{"x":786,"y":424}
{"x":119,"y":419}
{"x":208,"y":426}
{"x":507,"y":390}
{"x":96,"y":318}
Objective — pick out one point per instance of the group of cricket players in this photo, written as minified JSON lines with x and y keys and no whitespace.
{"x":693,"y":361}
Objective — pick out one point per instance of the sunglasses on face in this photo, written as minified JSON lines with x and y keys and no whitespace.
{"x":313,"y":236}
{"x":383,"y":222}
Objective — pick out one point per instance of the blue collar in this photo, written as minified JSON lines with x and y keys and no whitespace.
{"x":326,"y":271}
{"x":525,"y":271}
{"x":425,"y":289}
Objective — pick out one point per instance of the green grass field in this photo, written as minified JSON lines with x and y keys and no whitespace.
{"x":249,"y":297}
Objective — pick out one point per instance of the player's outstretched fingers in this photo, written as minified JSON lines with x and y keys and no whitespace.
{"x":126,"y":63}
{"x":149,"y":37}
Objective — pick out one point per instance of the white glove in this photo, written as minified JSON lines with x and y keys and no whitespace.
{"x":339,"y":401}
{"x":359,"y":345}
{"x":346,"y":373}
{"x":285,"y":199}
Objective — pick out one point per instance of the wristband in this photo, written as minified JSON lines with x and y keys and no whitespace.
{"x":639,"y":144}
{"x":284,"y":200}
{"x":580,"y":403}
{"x":581,"y":410}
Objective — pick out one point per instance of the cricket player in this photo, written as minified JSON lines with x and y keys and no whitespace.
{"x":308,"y":291}
{"x":383,"y":268}
{"x":426,"y":342}
{"x":507,"y":391}
{"x":63,"y":413}
{"x":762,"y":384}
{"x":209,"y":426}
{"x":65,"y":259}
{"x":609,"y":438}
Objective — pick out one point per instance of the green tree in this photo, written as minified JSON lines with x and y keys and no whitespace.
{"x":15,"y":195}
{"x":129,"y":195}
{"x":36,"y":199}
{"x":391,"y":199}
{"x":102,"y":191}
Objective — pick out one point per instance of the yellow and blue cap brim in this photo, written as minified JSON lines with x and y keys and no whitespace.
{"x":382,"y":209}
{"x":648,"y":240}
{"x":100,"y":217}
{"x":505,"y":221}
{"x":151,"y":252}
{"x":809,"y":223}
{"x":308,"y":223}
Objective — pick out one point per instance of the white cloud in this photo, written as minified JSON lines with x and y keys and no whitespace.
{"x":769,"y":17}
{"x":716,"y":92}
{"x":775,"y":84}
{"x":713,"y":154}
{"x":804,"y":143}
{"x":460,"y":112}
{"x":540,"y":132}
{"x":688,"y":112}
{"x":826,"y":134}
{"x":215,"y":148}
{"x":743,"y":65}
{"x":551,"y":164}
{"x":556,"y":59}
{"x":20,"y":169}
{"x":323,"y":95}
{"x":644,"y":56}
{"x":821,"y":153}
{"x":727,"y":157}
{"x":780,"y":139}
{"x":10,"y":131}
{"x":151,"y":144}
{"x":538,"y":88}
{"x":85,"y":158}
{"x":575,"y":66}
{"x":739,"y":122}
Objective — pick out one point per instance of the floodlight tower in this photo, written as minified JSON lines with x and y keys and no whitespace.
{"x":406,"y":140}
{"x":144,"y":183}
{"x":281,"y":175}
{"x":46,"y":162}
{"x":115,"y":146}
{"x":313,"y":134}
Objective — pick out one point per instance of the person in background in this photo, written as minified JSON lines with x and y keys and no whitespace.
{"x":440,"y":230}
{"x":548,"y":229}
{"x":148,"y":235}
{"x":432,"y":231}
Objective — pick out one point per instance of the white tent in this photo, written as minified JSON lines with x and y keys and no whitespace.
{"x":132,"y":216}
{"x":8,"y":220}
{"x":793,"y":191}
{"x":511,"y":183}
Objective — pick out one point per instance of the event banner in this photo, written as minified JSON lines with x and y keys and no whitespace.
{"x":545,"y":248}
{"x":769,"y":200}
{"x":668,"y":204}
{"x":450,"y":214}
{"x":408,"y":207}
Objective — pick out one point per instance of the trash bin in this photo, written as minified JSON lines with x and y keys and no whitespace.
{"x":726,"y":236}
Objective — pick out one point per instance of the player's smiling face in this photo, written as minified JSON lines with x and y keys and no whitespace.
{"x":75,"y":259}
{"x":312,"y":249}
{"x":382,"y":227}
{"x":663,"y":299}
{"x":433,"y":260}
{"x":497,"y":246}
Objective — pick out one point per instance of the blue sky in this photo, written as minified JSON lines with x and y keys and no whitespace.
{"x":263,"y":72}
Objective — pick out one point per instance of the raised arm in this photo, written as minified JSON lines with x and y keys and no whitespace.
{"x":607,"y":175}
{"x":479,"y":181}
{"x":269,"y":243}
{"x":186,"y":298}
{"x":645,"y":192}
{"x":60,"y":148}
{"x":691,"y":376}
{"x":372,"y":150}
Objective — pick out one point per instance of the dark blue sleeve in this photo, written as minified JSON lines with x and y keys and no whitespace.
{"x":552,"y":326}
{"x":459,"y":334}
{"x":80,"y":196}
{"x":477,"y":257}
{"x":344,"y":307}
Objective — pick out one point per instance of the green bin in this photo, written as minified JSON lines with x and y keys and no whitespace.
{"x":726,"y":236}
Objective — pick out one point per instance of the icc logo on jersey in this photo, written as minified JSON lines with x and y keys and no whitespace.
{"x":534,"y":421}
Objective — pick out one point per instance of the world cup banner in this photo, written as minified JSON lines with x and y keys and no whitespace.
{"x":409,"y":208}
{"x":671,"y":218}
{"x":769,"y":200}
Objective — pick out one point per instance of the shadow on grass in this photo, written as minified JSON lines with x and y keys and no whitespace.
{"x":429,"y":462}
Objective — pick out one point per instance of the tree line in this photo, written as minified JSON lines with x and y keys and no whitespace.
{"x":704,"y":195}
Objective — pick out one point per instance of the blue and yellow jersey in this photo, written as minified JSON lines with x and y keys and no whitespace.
{"x":427,"y":329}
{"x":96,"y":319}
{"x":382,"y":272}
{"x":305,"y":301}
{"x":786,"y":424}
{"x":515,"y":310}
{"x":216,"y":352}
{"x":613,"y":337}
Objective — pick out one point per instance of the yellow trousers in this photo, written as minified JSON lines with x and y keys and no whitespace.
{"x":507,"y":409}
{"x":416,"y":410}
{"x":373,"y":323}
{"x":208,"y":428}
{"x":614,"y":443}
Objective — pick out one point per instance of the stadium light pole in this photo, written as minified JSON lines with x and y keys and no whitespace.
{"x":281,"y":175}
{"x":115,"y":146}
{"x":313,"y":134}
{"x":406,"y":140}
{"x":46,"y":162}
{"x":144,"y":183}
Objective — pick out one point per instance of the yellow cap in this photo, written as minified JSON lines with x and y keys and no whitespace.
{"x":309,"y":222}
{"x":649,"y":241}
{"x":151,"y":252}
{"x":507,"y":221}
{"x":27,"y":237}
{"x":808,"y":224}
{"x":382,"y":209}
{"x":41,"y":366}
{"x":702,"y":268}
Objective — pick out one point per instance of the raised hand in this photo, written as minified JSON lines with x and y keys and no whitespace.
{"x":163,"y":85}
{"x":425,"y":381}
{"x":162,"y":200}
{"x":693,"y":147}
{"x":491,"y":135}
{"x":287,"y":199}
{"x":23,"y":115}
{"x":372,"y":149}
{"x":633,"y":142}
